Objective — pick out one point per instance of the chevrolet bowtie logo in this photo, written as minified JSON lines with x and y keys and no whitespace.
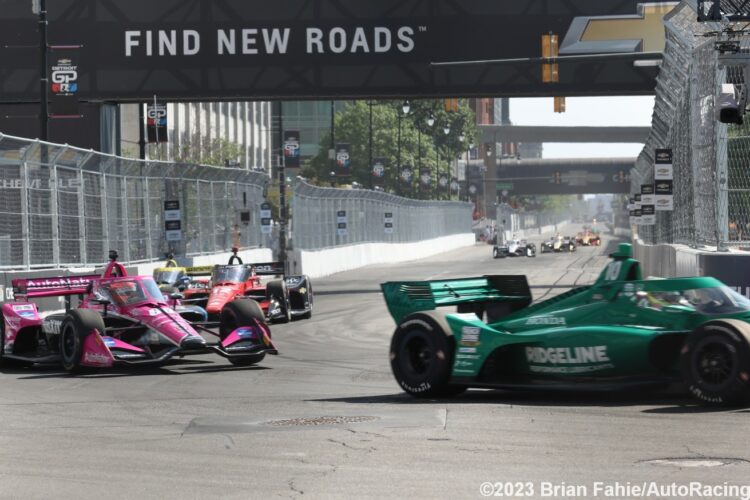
{"x":641,"y":32}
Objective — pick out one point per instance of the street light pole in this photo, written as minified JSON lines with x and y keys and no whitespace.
{"x":398,"y":154}
{"x":332,"y":151}
{"x":43,"y":82}
{"x":372,"y":182}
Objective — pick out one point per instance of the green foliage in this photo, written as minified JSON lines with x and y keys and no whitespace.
{"x":207,"y":151}
{"x":352,"y":127}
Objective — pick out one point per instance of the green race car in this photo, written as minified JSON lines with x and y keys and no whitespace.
{"x":620,"y":332}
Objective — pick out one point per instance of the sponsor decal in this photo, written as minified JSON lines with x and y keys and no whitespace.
{"x":594,"y":358}
{"x":95,"y":358}
{"x":23,"y":307}
{"x":28,"y":315}
{"x":467,"y":350}
{"x":245,"y":333}
{"x":546,"y":320}
{"x":109,"y":341}
{"x":628,"y":289}
{"x":52,"y":326}
{"x":470,"y":335}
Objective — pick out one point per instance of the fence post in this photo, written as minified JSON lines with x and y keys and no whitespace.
{"x":55,"y":215}
{"x":82,"y":217}
{"x":25,"y":218}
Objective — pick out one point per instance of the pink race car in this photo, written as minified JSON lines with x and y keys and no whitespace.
{"x":122,"y":319}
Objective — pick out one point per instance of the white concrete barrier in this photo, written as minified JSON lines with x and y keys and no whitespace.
{"x":247,"y":256}
{"x":667,"y":261}
{"x":334,"y":260}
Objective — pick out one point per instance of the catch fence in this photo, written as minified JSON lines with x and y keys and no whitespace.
{"x":62,"y":206}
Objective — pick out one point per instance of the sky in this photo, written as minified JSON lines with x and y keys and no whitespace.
{"x":586,"y":111}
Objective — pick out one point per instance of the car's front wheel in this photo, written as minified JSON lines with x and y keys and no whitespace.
{"x":715,"y":362}
{"x":236,"y":314}
{"x":278,"y":290}
{"x":422,"y":350}
{"x":77,"y":325}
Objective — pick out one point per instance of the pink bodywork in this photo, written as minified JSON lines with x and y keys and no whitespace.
{"x":18,"y":315}
{"x":153,"y":311}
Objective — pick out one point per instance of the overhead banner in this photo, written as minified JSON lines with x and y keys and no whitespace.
{"x":589,"y":176}
{"x":378,"y":172}
{"x":156,"y":122}
{"x":63,"y":77}
{"x":291,"y":148}
{"x":287,"y":49}
{"x":343,"y":160}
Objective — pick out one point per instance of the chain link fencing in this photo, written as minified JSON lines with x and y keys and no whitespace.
{"x":711,"y":178}
{"x":62,"y":206}
{"x":328,"y":217}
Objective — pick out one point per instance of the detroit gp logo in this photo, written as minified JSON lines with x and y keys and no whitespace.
{"x":291,"y":148}
{"x":64,"y":76}
{"x":378,"y":170}
{"x":342,"y":159}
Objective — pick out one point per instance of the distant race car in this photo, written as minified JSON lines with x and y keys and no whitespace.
{"x":559,"y":244}
{"x":514,"y":248}
{"x":280,"y":299}
{"x":192,"y":282}
{"x":588,"y":238}
{"x":620,"y":332}
{"x":122,"y":319}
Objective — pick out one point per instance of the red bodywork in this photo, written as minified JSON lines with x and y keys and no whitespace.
{"x":226,"y":290}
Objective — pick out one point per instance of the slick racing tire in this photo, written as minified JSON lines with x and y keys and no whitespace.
{"x":278,"y":290}
{"x":572,"y":248}
{"x":422,"y":350}
{"x":241,"y":312}
{"x":308,"y":284}
{"x":530,"y":252}
{"x":76,"y":326}
{"x":10,"y":363}
{"x":715,"y":363}
{"x":495,"y":253}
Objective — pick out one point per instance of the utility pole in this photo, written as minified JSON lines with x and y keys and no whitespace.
{"x":282,"y":192}
{"x":43,"y":81}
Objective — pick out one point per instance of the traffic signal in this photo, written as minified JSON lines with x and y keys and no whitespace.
{"x":451,"y":105}
{"x":558,"y":178}
{"x":550,"y":72}
{"x":559,"y":105}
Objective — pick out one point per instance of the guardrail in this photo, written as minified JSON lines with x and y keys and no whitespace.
{"x":62,"y":206}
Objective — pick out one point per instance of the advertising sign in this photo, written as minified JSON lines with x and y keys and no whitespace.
{"x":378,"y":172}
{"x":443,"y":182}
{"x":287,"y":49}
{"x":425,"y":178}
{"x":291,"y":148}
{"x":343,"y":160}
{"x":664,"y":195}
{"x":63,"y":77}
{"x":156,"y":122}
{"x":407,"y":176}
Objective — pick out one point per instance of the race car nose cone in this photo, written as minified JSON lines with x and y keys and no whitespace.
{"x":193,"y":342}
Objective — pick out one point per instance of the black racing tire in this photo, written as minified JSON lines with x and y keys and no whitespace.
{"x":572,"y":248}
{"x":278,"y":290}
{"x":76,"y":326}
{"x":422,"y":351}
{"x":309,"y":287}
{"x":9,"y":363}
{"x":495,"y":253}
{"x":237,"y":313}
{"x":715,"y":363}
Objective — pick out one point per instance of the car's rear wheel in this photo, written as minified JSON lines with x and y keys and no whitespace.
{"x":422,"y":350}
{"x":76,"y":326}
{"x":715,"y":362}
{"x":278,"y":290}
{"x":238,"y":313}
{"x":309,"y":287}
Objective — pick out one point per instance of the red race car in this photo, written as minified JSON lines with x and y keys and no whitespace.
{"x":280,"y":299}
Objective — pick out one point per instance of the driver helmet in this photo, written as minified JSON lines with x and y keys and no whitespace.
{"x":124,"y":290}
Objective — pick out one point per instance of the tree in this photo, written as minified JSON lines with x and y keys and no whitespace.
{"x":352,"y":127}
{"x":207,"y":151}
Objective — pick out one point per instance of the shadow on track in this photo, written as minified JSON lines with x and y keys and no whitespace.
{"x":176,"y":367}
{"x":679,"y":402}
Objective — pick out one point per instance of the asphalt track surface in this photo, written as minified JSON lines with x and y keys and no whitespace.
{"x":325,"y":419}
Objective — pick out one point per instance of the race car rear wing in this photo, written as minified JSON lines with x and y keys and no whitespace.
{"x":56,"y":286}
{"x":199,"y":270}
{"x":268,"y":268}
{"x":469,"y":294}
